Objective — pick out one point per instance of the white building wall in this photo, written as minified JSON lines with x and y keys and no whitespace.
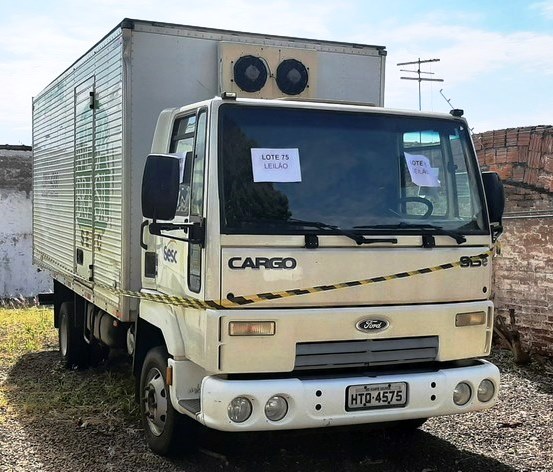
{"x":18,"y":277}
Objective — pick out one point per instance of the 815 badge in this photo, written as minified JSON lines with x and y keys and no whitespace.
{"x":473,"y":261}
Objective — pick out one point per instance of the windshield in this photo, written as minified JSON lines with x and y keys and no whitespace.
{"x":365,"y":172}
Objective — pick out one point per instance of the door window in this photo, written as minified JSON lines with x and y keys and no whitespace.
{"x":182,"y":143}
{"x":197,"y":201}
{"x":189,"y":140}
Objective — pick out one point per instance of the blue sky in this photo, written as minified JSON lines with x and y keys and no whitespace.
{"x":496,"y":56}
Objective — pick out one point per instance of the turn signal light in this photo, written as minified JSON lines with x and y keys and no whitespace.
{"x":470,"y":319}
{"x":252,"y":328}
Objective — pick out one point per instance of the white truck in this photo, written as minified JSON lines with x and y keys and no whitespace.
{"x":289,"y":254}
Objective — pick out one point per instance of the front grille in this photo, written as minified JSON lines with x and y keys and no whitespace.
{"x":366,"y":352}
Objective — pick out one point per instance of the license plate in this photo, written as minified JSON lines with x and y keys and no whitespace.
{"x":382,"y":395}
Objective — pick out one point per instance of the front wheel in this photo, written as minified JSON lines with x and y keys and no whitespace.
{"x":163,"y":425}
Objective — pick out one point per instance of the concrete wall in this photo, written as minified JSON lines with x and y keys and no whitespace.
{"x":524,"y":271}
{"x":18,"y":277}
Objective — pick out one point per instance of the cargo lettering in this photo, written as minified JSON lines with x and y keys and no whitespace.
{"x":265,"y":262}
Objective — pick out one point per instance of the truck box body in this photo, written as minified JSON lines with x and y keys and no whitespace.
{"x":93,"y":128}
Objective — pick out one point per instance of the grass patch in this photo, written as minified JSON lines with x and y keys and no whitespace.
{"x":24,"y":330}
{"x":34,"y":383}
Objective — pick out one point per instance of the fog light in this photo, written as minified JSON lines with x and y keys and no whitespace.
{"x":239,"y":409}
{"x":276,"y":408}
{"x":462,"y":394}
{"x":486,"y":390}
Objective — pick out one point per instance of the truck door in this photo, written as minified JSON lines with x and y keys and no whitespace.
{"x":180,"y":262}
{"x":84,"y":120}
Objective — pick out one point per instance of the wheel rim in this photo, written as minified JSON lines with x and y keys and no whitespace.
{"x":155,"y":402}
{"x":63,"y":335}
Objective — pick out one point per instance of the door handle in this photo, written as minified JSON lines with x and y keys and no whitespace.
{"x":143,"y":245}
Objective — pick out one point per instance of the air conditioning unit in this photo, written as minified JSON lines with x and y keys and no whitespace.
{"x":259,"y":71}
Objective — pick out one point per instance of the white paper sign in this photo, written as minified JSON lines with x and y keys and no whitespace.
{"x":276,"y":165}
{"x":422,"y":174}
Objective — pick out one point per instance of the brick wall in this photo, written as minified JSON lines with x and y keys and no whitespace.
{"x":523,"y":157}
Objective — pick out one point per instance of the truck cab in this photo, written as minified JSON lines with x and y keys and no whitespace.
{"x":312,"y":264}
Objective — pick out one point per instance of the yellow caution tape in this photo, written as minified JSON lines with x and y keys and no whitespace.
{"x":239,"y":301}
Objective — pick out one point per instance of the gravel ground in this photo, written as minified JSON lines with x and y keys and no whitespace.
{"x":517,"y":435}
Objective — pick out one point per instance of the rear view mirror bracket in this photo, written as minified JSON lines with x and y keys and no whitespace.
{"x":195,"y":229}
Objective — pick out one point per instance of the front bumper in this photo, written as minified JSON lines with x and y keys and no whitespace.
{"x":320,"y":402}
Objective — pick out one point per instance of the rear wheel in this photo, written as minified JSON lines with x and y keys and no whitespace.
{"x":73,"y":347}
{"x":163,"y":425}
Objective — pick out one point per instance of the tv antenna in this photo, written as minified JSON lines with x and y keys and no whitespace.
{"x":448,"y":100}
{"x":419,"y":72}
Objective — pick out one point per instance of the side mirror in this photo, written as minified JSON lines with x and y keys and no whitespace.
{"x":495,"y":197}
{"x":160,"y":186}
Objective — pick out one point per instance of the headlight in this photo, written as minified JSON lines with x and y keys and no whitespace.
{"x":276,"y":408}
{"x":462,"y":394}
{"x":239,"y":409}
{"x":486,"y":390}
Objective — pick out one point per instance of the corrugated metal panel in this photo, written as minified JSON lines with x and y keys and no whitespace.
{"x":78,"y":166}
{"x":53,"y":177}
{"x":108,"y":195}
{"x":367,"y":352}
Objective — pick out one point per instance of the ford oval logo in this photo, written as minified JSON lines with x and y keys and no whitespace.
{"x":370,"y":325}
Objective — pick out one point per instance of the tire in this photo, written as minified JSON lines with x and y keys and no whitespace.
{"x":74,"y":349}
{"x":164,"y":427}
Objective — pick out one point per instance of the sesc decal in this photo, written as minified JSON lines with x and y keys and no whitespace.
{"x":170,"y":255}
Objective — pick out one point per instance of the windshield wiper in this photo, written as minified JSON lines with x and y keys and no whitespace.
{"x":358,"y":238}
{"x":427,"y":229}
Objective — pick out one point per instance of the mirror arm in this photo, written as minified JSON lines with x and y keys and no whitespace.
{"x":497,"y":230}
{"x":156,"y":228}
{"x":197,"y":231}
